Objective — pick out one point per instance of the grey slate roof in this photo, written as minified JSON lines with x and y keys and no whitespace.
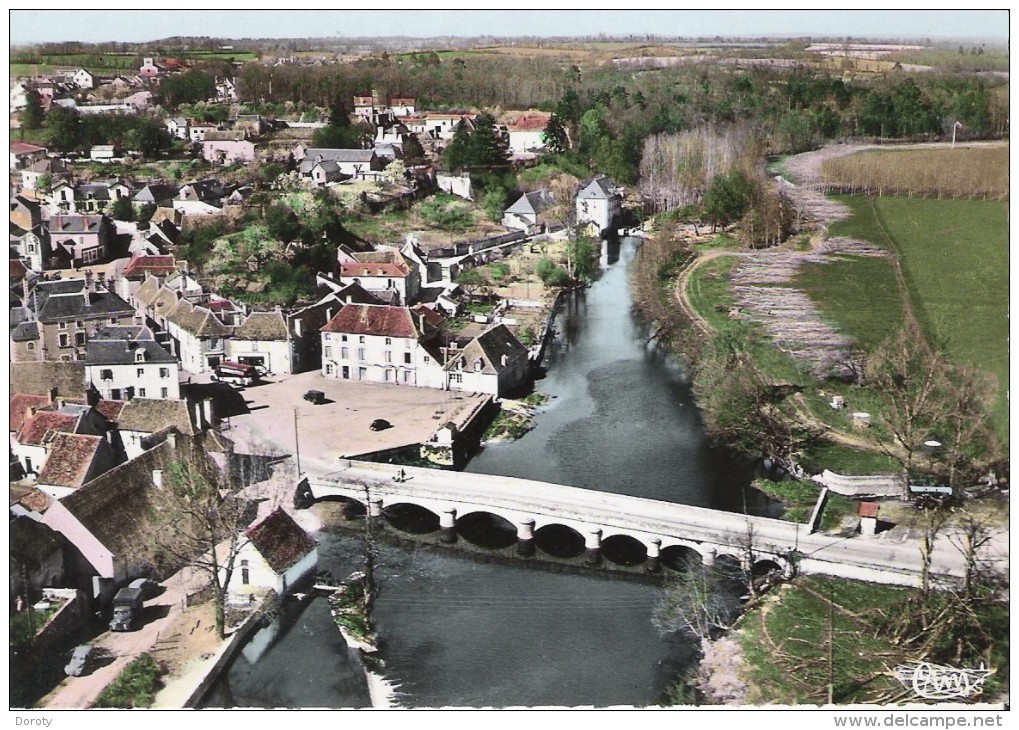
{"x":601,"y":188}
{"x":75,"y":224}
{"x":71,"y":306}
{"x":156,"y":193}
{"x":120,"y":345}
{"x":532,"y":203}
{"x":26,"y":332}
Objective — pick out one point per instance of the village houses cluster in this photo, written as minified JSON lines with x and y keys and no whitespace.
{"x":114,"y":338}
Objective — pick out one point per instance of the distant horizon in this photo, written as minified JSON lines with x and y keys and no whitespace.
{"x":30,"y":27}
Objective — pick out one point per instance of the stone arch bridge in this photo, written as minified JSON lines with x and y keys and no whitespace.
{"x":601,"y":517}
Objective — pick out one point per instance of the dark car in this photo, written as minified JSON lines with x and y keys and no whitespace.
{"x":315,"y":396}
{"x":380,"y":424}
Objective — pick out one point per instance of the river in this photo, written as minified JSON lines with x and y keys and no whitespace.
{"x":456,"y":630}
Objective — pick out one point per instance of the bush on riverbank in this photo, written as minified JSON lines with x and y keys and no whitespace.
{"x":799,"y":498}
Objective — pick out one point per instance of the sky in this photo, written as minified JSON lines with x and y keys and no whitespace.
{"x":33,"y":26}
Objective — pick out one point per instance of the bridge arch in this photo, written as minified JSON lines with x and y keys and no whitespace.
{"x":559,"y":540}
{"x":410,"y":517}
{"x":626,"y":550}
{"x":486,"y":529}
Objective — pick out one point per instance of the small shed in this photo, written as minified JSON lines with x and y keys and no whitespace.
{"x":277,"y":555}
{"x":867,"y":512}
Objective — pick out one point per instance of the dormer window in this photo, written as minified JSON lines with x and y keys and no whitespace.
{"x":139,"y":356}
{"x":478,"y":364}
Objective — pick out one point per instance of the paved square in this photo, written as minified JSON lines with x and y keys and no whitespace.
{"x":340,"y":427}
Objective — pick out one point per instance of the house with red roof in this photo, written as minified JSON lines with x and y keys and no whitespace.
{"x":525,"y":132}
{"x":384,"y":344}
{"x":385,"y":273}
{"x":74,"y":459}
{"x":24,"y":154}
{"x":277,"y":555}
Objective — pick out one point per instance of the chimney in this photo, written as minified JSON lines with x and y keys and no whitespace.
{"x":89,"y":284}
{"x":171,"y":438}
{"x":421,"y":321}
{"x":157,"y":477}
{"x":53,"y":395}
{"x":101,"y":279}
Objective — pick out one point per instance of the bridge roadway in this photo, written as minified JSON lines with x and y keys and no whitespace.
{"x":600,"y":516}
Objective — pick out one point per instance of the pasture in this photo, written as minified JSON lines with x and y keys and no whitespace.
{"x":954,"y":257}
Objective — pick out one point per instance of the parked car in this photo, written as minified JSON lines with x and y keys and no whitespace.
{"x":315,"y":396}
{"x":81,"y":660}
{"x":380,"y":424}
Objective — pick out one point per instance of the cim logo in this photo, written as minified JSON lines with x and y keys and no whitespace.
{"x":937,"y":682}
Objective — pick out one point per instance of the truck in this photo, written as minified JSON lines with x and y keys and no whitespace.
{"x":126,"y":606}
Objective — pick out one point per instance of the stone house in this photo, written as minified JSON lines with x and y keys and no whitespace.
{"x":127,"y":362}
{"x":277,"y":555}
{"x":494,"y":362}
{"x":599,"y":202}
{"x":384,"y":344}
{"x":69,"y":310}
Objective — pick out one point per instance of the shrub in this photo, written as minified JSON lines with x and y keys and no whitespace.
{"x":135,"y":687}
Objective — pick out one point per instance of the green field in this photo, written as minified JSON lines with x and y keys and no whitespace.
{"x":954,"y":256}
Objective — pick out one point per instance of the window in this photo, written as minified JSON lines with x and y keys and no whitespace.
{"x":427,"y":359}
{"x":140,"y":372}
{"x":63,"y":325}
{"x":344,"y":353}
{"x":360,"y":340}
{"x":164,"y":372}
{"x":327,"y":351}
{"x":141,"y":392}
{"x":406,"y":358}
{"x":79,"y":338}
{"x":360,"y":353}
{"x":113,"y":320}
{"x":139,"y":356}
{"x":254,"y":346}
{"x":65,"y":341}
{"x":389,"y":356}
{"x":329,"y":368}
{"x":31,"y":345}
{"x":343,"y":338}
{"x":387,"y":375}
{"x":106,"y":374}
{"x":406,"y":376}
{"x":79,"y":324}
{"x":389,"y":340}
{"x":163,"y":393}
{"x":67,"y":358}
{"x":456,"y":378}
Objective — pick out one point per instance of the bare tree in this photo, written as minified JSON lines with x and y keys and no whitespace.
{"x":197,"y":523}
{"x":700,"y":600}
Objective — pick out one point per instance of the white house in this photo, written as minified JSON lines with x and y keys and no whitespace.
{"x":383,"y":344}
{"x":358,"y":164}
{"x":262,"y":340}
{"x":525,"y":132}
{"x":523,"y":214}
{"x":494,"y":362}
{"x":599,"y":202}
{"x":83,"y":79}
{"x":127,"y":362}
{"x":178,"y":127}
{"x":19,"y":99}
{"x":277,"y":555}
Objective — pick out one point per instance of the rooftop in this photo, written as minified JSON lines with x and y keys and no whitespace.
{"x":280,"y":540}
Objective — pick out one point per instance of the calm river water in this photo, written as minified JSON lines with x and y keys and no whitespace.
{"x":456,"y":630}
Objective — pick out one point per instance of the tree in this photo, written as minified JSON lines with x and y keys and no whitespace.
{"x":282,"y":224}
{"x":64,"y":127}
{"x":471,"y":280}
{"x":199,"y":524}
{"x":189,"y":87}
{"x":32,"y":115}
{"x":488,"y":146}
{"x":148,"y":137}
{"x":413,"y":152}
{"x":728,"y":198}
{"x":458,"y":153}
{"x":122,"y":210}
{"x":554,"y":136}
{"x":908,"y":377}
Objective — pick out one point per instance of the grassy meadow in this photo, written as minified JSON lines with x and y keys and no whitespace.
{"x":954,"y":256}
